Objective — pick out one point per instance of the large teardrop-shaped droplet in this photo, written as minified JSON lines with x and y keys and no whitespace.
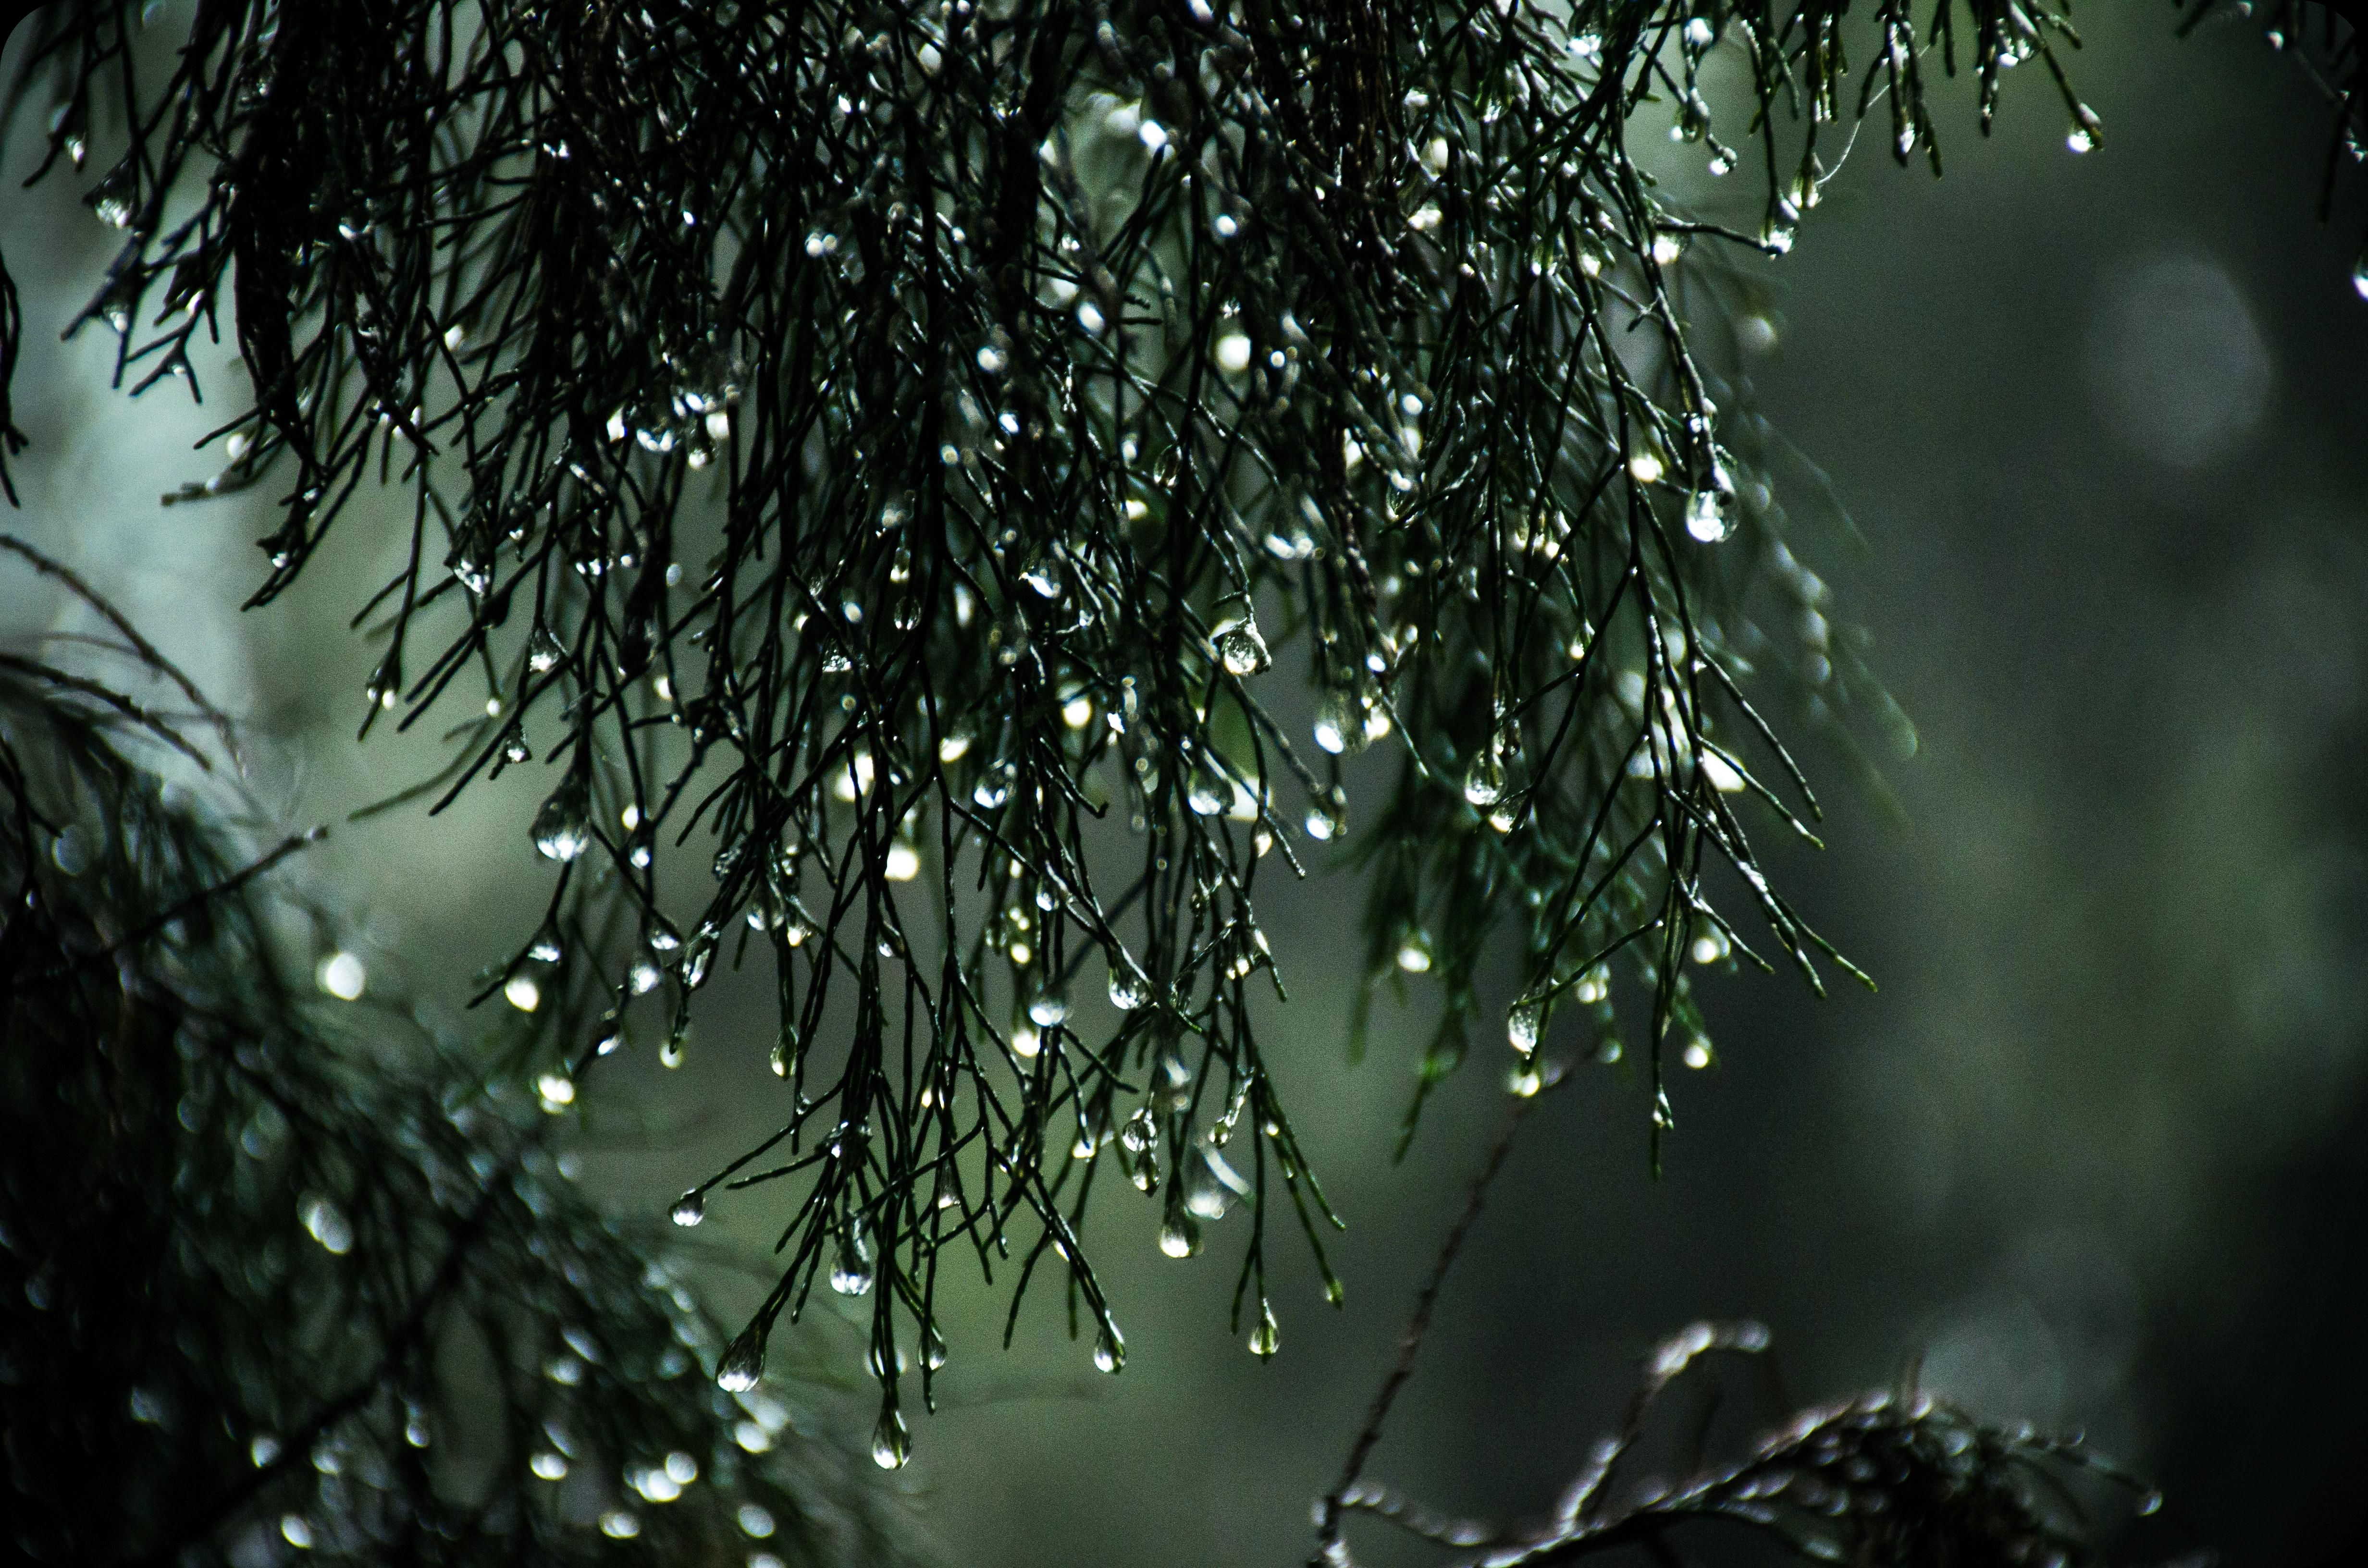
{"x":1242,"y":649}
{"x":1483,"y":784}
{"x":1340,"y":722}
{"x":1706,"y":516}
{"x":1178,"y":1237}
{"x":1522,"y":1026}
{"x":851,"y":1275}
{"x":1109,"y":1350}
{"x":891,"y":1445}
{"x":1237,"y":641}
{"x":1265,"y":1336}
{"x":563,"y":829}
{"x":690,"y":1207}
{"x":743,"y":1365}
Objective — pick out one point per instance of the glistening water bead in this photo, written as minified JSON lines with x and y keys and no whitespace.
{"x":851,"y":1275}
{"x":892,"y":1444}
{"x":742,"y":1366}
{"x":1706,"y":516}
{"x":562,"y":829}
{"x":1266,"y":1334}
{"x":1178,"y":1237}
{"x":689,"y":1208}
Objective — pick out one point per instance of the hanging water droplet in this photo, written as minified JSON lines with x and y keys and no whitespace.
{"x":1242,"y":649}
{"x":1414,"y":951}
{"x":1706,"y":515}
{"x":1265,"y":1335}
{"x":690,"y":1207}
{"x":696,"y":955}
{"x":2360,"y":278}
{"x":543,"y":653}
{"x":1483,"y":784}
{"x":1522,"y":1026}
{"x":2087,"y":129}
{"x":851,"y":1273}
{"x":1178,"y":1237}
{"x":112,"y":200}
{"x":1207,"y":791}
{"x":933,"y":1348}
{"x":1049,"y":1009}
{"x":742,"y":1366}
{"x":891,"y":1445}
{"x":1127,"y":991}
{"x":563,"y":830}
{"x":1344,"y":723}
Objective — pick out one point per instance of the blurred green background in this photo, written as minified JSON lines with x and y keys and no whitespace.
{"x":2098,"y":1150}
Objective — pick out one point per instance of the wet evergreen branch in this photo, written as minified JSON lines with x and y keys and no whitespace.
{"x":890,"y":443}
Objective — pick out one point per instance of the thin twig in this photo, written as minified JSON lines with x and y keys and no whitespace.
{"x":1329,"y":1549}
{"x":207,"y":894}
{"x":147,"y":650}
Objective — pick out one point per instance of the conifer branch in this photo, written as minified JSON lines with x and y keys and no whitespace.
{"x":890,"y":443}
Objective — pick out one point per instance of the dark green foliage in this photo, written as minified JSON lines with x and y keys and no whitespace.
{"x":887,"y":445}
{"x":273,"y":1278}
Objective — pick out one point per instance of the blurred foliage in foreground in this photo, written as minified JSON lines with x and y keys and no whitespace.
{"x":273,"y":1278}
